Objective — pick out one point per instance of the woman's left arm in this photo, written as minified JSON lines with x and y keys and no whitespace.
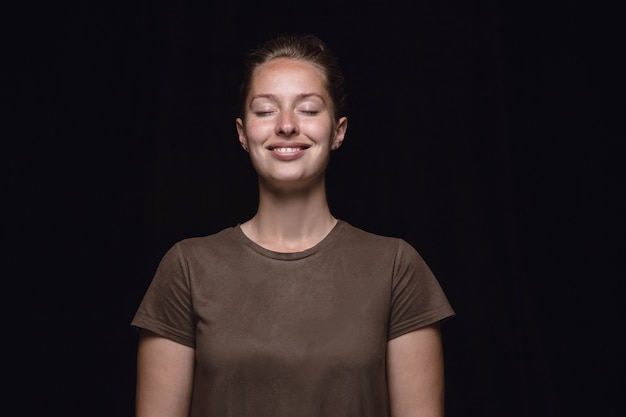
{"x":415,"y":373}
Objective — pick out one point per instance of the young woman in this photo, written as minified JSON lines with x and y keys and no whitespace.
{"x":293,"y":312}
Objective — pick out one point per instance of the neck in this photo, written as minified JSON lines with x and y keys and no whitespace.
{"x":290,"y":221}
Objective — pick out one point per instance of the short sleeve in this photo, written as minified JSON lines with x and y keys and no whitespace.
{"x":166,"y":308}
{"x":417,"y":298}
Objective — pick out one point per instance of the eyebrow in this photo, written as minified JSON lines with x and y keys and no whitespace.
{"x":299,"y":96}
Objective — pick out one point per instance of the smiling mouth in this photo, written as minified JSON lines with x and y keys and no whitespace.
{"x":288,"y":149}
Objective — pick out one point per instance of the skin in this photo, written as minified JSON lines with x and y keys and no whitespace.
{"x":289,"y":131}
{"x":164,"y":377}
{"x":289,"y":107}
{"x":415,"y":374}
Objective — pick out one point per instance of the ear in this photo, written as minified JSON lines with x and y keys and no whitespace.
{"x":242,"y":136}
{"x":340,"y":133}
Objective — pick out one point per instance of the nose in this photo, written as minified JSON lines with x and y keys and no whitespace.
{"x":287,"y":124}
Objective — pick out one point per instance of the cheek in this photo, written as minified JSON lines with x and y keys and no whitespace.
{"x":257,"y":131}
{"x":319,"y":131}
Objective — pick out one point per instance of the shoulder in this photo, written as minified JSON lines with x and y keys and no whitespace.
{"x":359,"y":235}
{"x":217,"y":243}
{"x":224,"y":236}
{"x":348,"y":231}
{"x":356,"y":237}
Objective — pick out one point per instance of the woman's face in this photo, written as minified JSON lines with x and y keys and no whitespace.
{"x":288,"y":125}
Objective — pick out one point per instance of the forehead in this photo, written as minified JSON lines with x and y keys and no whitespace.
{"x":281,"y":73}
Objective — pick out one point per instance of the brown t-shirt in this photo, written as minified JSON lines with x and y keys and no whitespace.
{"x":291,"y":334}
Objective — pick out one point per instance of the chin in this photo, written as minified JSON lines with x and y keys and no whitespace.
{"x":292,"y":182}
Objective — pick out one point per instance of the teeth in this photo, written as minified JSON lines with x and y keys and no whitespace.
{"x":286,"y":150}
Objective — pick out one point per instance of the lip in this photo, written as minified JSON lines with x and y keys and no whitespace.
{"x":288,"y":151}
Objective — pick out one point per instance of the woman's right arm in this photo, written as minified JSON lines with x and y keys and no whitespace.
{"x":164,"y":377}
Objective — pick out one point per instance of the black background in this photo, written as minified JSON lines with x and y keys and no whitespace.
{"x":488,"y":135}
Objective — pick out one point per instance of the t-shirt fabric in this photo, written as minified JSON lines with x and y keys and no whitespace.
{"x":291,"y":334}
